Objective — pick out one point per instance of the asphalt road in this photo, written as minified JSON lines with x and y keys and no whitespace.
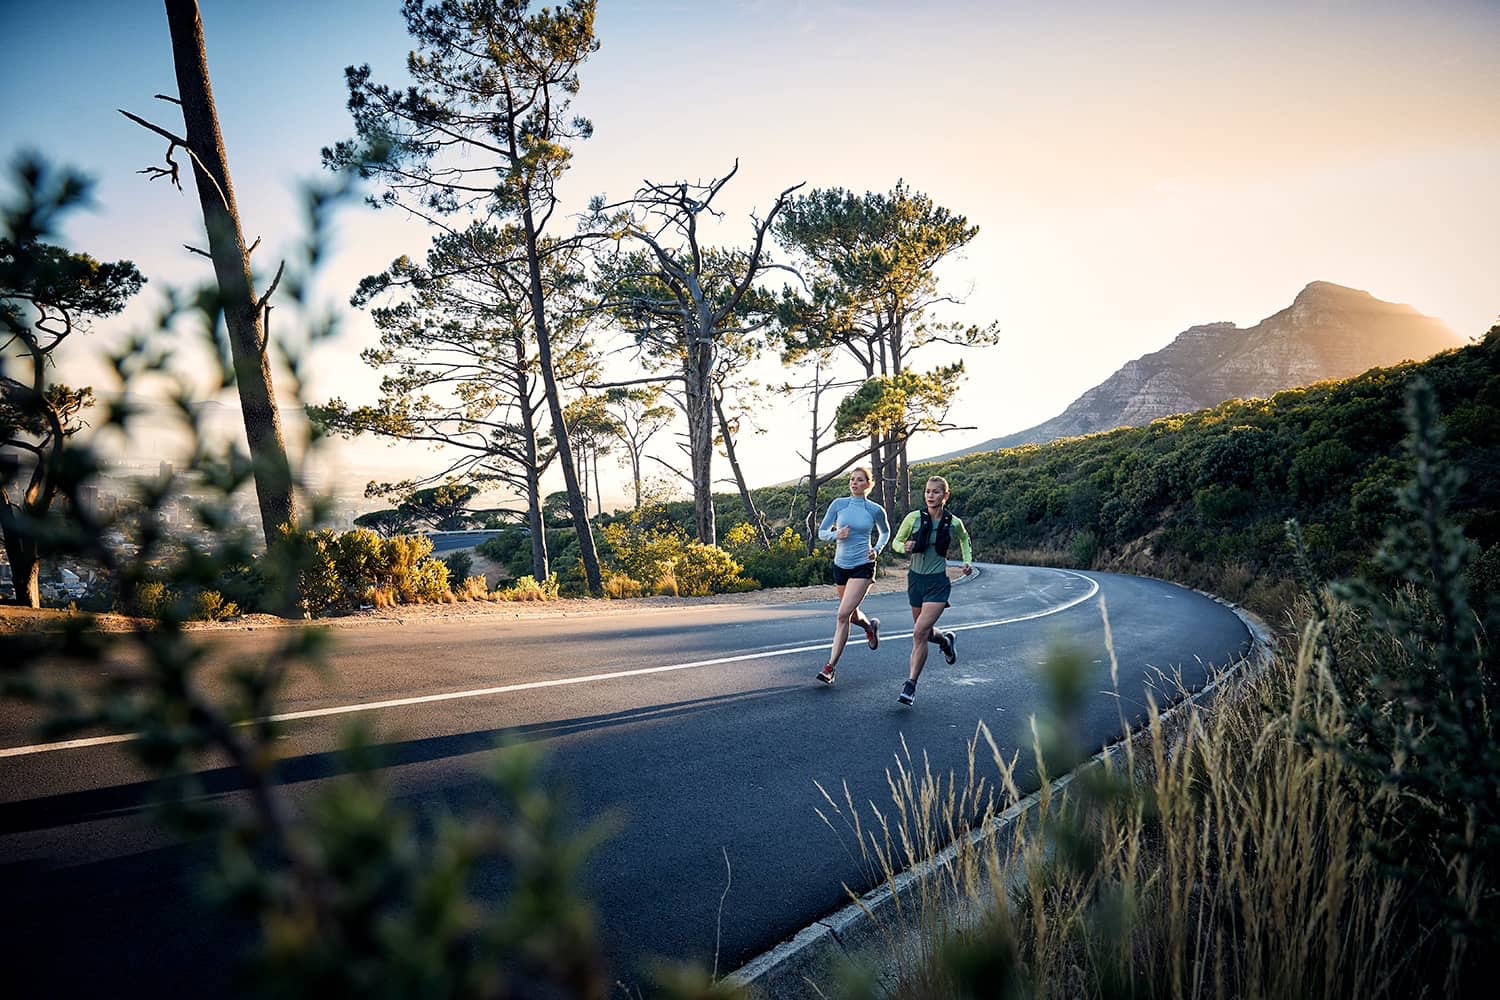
{"x":700,"y":730}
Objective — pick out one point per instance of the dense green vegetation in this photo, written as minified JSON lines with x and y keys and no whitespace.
{"x":1202,"y":498}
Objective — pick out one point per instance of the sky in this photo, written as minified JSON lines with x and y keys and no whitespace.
{"x":1134,"y":168}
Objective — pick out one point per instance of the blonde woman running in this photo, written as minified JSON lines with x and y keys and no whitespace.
{"x":849,"y":521}
{"x":928,"y":534}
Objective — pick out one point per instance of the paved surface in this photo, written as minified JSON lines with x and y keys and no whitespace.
{"x":713,"y":751}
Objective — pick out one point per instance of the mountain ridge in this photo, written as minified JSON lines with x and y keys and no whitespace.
{"x":1328,"y":332}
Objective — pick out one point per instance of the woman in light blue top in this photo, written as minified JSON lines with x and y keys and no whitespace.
{"x":850,"y":521}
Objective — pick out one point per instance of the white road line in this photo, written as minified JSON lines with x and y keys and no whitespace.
{"x":371,"y":706}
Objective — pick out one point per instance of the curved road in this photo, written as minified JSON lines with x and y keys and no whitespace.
{"x":700,"y":728}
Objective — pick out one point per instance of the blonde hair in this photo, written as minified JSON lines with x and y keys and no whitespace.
{"x":939,"y":479}
{"x":869,"y":476}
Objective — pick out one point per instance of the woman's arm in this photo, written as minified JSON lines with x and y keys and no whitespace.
{"x":903,"y":533}
{"x":882,"y":529}
{"x":965,"y":548}
{"x":826,"y":530}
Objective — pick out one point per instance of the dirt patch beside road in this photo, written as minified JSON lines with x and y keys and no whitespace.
{"x":890,"y":581}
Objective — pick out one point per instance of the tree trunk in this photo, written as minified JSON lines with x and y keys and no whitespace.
{"x":812,"y":467}
{"x":751,"y":514}
{"x":598,"y":493}
{"x":25,"y":561}
{"x":226,"y":244}
{"x":539,"y":559}
{"x":890,"y":478}
{"x":635,"y":475}
{"x":19,"y":522}
{"x":699,"y":397}
{"x":576,"y":508}
{"x":879,"y":486}
{"x":903,"y":477}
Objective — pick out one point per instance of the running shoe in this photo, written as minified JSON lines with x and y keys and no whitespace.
{"x":826,"y":674}
{"x":872,"y":633}
{"x":908,"y":693}
{"x":949,"y":646}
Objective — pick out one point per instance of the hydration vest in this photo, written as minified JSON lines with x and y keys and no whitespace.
{"x":925,"y":536}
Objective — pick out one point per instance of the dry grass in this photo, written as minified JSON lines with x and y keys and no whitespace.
{"x":1215,"y":855}
{"x":474,"y":588}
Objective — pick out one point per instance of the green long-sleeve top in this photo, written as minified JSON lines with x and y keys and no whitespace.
{"x":930,"y":561}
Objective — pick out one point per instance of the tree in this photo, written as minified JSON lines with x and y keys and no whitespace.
{"x":729,"y":365}
{"x":462,"y":364}
{"x":245,"y":315}
{"x":639,"y":414}
{"x":485,"y":129}
{"x":445,"y":507}
{"x":685,"y":302}
{"x":387,"y":523}
{"x":593,"y":427}
{"x":46,"y":294}
{"x":819,"y":442}
{"x":894,"y":407}
{"x":871,"y":262}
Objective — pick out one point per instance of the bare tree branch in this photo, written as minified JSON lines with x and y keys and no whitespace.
{"x":272,"y":290}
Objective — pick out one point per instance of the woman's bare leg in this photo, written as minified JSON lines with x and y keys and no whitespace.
{"x":850,"y":594}
{"x":924,"y":627}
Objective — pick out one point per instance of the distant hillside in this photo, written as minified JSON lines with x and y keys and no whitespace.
{"x":1202,"y":498}
{"x":1328,"y":332}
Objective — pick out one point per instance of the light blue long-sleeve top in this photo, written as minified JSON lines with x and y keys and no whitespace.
{"x":863,"y":517}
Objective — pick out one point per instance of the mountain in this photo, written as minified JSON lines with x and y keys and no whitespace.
{"x":1328,"y":332}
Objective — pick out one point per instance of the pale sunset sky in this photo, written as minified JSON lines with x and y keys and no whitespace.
{"x":1134,"y":168}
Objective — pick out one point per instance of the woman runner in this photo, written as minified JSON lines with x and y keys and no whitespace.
{"x":850,"y":520}
{"x":927,"y":534}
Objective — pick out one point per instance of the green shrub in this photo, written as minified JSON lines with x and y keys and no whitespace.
{"x":459,"y":564}
{"x":1084,"y":549}
{"x":618,"y":586}
{"x":346,"y":570}
{"x":527,"y":589}
{"x":212,"y":607}
{"x":707,"y":569}
{"x":644,"y":552}
{"x":511,"y":548}
{"x":1220,"y":504}
{"x":474,"y":588}
{"x":787,"y":562}
{"x":426,"y":582}
{"x":150,"y":599}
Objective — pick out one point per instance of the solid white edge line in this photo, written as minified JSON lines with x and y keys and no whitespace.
{"x":371,"y":706}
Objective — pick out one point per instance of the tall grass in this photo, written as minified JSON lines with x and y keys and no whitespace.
{"x":1217,"y":854}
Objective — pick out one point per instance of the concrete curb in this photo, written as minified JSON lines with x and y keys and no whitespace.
{"x":806,"y":966}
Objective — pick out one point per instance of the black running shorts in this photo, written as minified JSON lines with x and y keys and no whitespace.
{"x":864,"y":571}
{"x":928,"y":588}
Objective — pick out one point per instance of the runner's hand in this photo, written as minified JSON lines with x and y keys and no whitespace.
{"x":968,"y":569}
{"x":843,"y":533}
{"x":872,"y":555}
{"x":911,"y":543}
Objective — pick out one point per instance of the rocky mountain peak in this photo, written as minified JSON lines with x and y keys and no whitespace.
{"x":1328,"y":332}
{"x":1327,"y":293}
